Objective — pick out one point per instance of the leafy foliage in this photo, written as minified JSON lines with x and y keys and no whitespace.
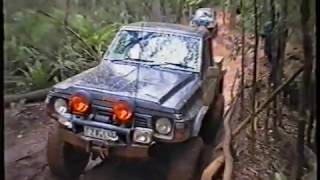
{"x":37,"y":75}
{"x":43,"y":51}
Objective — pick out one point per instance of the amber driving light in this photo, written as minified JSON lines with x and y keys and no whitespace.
{"x":122,"y":112}
{"x":79,"y":104}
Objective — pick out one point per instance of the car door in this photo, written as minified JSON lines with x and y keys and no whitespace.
{"x":209,"y":82}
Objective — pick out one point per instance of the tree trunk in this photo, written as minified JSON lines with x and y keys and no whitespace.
{"x":190,"y":12}
{"x":306,"y":103}
{"x":254,"y":79}
{"x":271,"y":82}
{"x":124,"y":12}
{"x":307,"y":49}
{"x":163,"y":11}
{"x":29,"y":97}
{"x":67,"y":13}
{"x":93,"y":5}
{"x":179,"y":11}
{"x":281,"y":52}
{"x":311,"y":140}
{"x":274,"y":66}
{"x":224,"y":13}
{"x":300,"y":149}
{"x":242,"y":62}
{"x":156,"y":14}
{"x":265,"y":9}
{"x":147,"y":9}
{"x":266,"y":122}
{"x":232,"y":11}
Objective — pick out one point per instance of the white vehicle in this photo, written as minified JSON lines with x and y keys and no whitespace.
{"x":206,"y":17}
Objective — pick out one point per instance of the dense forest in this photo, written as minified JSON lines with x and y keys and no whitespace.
{"x":47,"y":41}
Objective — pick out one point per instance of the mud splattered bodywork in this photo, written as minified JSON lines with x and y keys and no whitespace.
{"x":161,"y":72}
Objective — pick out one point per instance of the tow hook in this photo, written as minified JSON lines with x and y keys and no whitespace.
{"x":103,"y":152}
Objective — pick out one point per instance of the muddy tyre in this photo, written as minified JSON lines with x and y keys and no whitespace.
{"x":214,"y":31}
{"x":184,"y":159}
{"x":64,"y":160}
{"x":212,"y":121}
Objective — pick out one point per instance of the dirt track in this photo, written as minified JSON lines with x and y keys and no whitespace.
{"x":26,"y":129}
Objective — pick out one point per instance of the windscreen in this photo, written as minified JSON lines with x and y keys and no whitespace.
{"x":157,"y":47}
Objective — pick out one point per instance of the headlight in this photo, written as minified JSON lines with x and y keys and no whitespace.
{"x":60,"y":106}
{"x":163,"y":126}
{"x":142,"y":135}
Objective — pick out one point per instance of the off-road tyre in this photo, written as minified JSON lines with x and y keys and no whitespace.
{"x":212,"y":120}
{"x":213,"y":31}
{"x":65,"y":161}
{"x":185,"y":159}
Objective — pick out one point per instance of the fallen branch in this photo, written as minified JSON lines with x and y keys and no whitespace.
{"x":263,"y":106}
{"x":233,"y":100}
{"x":233,"y":83}
{"x":213,"y":168}
{"x":23,"y":158}
{"x":30,"y":96}
{"x":226,"y":144}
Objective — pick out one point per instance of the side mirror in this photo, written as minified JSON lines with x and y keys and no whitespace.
{"x":212,"y":72}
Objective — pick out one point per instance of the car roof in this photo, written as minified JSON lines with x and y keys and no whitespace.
{"x":167,"y":27}
{"x":206,"y":9}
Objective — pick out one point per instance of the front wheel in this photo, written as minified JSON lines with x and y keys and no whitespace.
{"x":212,"y":120}
{"x":185,"y":159}
{"x":64,"y":160}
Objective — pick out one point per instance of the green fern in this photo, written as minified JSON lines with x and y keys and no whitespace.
{"x":38,"y":75}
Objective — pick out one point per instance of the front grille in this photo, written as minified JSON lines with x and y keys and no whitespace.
{"x":104,"y":114}
{"x":141,"y":122}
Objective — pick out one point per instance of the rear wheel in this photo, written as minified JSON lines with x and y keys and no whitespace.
{"x":65,"y":160}
{"x":212,"y":120}
{"x":214,"y":31}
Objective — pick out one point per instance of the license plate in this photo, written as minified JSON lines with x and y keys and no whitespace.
{"x":100,"y":133}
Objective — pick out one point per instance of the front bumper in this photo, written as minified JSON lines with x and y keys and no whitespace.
{"x":102,"y":148}
{"x":127,"y":147}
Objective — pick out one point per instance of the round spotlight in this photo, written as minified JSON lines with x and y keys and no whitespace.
{"x":79,"y":104}
{"x":122,"y":112}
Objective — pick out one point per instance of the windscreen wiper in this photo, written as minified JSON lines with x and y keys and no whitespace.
{"x":174,"y":64}
{"x":127,"y":59}
{"x":137,"y":59}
